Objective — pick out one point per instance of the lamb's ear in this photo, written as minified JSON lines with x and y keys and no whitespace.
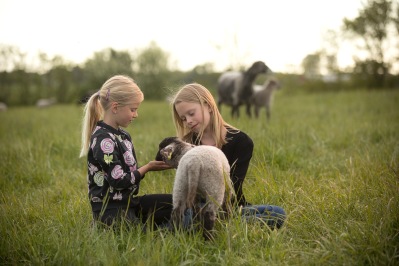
{"x":167,"y":153}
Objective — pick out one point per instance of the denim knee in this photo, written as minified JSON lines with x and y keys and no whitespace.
{"x":273,"y":216}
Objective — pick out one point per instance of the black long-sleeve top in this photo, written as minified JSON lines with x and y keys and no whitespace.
{"x":238,"y":150}
{"x":112,"y":168}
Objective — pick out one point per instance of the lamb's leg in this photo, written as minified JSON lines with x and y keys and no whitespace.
{"x":208,"y":218}
{"x":177,"y":215}
{"x":208,"y":223}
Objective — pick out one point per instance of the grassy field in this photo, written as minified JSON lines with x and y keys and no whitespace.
{"x":331,"y":160}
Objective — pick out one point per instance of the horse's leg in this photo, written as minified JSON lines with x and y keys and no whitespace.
{"x":248,"y":109}
{"x":235,"y":111}
{"x":256,"y":111}
{"x":268,"y":112}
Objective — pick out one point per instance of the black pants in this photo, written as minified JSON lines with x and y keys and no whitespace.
{"x":155,"y":208}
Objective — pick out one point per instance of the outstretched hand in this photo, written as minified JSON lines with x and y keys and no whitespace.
{"x":158,"y":166}
{"x":154,"y":166}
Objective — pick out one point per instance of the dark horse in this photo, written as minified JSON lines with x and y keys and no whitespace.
{"x":235,"y":88}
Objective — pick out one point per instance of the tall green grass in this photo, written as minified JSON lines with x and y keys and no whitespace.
{"x":331,"y":160}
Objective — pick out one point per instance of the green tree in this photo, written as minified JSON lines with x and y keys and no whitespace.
{"x":152,"y":71}
{"x":395,"y":20}
{"x":329,"y":52}
{"x":311,"y":65}
{"x":371,"y":27}
{"x":102,"y":66}
{"x":11,"y":58}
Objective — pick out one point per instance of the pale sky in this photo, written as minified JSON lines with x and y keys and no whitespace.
{"x":280,"y":33}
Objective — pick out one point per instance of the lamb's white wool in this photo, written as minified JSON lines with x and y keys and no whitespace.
{"x":263,"y":96}
{"x":203,"y":172}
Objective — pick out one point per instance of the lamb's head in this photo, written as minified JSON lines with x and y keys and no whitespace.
{"x":171,"y":149}
{"x":272,"y":84}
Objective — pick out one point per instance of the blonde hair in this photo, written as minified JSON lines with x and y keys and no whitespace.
{"x":121,"y":89}
{"x":196,"y":93}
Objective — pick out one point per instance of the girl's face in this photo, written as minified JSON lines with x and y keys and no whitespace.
{"x":192,"y":115}
{"x":124,"y":115}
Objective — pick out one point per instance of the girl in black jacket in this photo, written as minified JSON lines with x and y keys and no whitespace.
{"x":113,"y":174}
{"x":198,"y":121}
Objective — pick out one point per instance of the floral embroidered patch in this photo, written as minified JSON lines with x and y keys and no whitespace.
{"x":92,"y":168}
{"x":99,"y":178}
{"x":108,"y":158}
{"x":129,"y":159}
{"x":96,"y":199}
{"x":128,"y":144}
{"x":107,"y":145}
{"x":117,"y":172}
{"x":117,"y":196}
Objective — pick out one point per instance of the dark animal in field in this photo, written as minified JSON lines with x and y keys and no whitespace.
{"x":203,"y":172}
{"x":236,"y":88}
{"x":263,"y":96}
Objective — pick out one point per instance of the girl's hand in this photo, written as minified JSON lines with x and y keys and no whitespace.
{"x":153,"y":166}
{"x":158,"y":166}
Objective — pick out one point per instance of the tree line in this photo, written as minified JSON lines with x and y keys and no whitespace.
{"x":376,"y":24}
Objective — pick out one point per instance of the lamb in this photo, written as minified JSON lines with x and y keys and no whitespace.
{"x":235,"y":88}
{"x":203,"y":172}
{"x":263,"y":96}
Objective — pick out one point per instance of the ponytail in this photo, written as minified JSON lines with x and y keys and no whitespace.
{"x":120,"y":89}
{"x":93,"y":112}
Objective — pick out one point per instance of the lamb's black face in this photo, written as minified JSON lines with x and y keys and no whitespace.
{"x":162,"y":145}
{"x":171,"y":150}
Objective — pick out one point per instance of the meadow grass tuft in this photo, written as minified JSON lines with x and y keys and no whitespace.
{"x":331,"y":160}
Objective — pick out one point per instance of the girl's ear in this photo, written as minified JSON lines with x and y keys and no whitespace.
{"x":114,"y":107}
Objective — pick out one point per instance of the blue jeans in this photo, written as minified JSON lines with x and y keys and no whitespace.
{"x":273,"y":216}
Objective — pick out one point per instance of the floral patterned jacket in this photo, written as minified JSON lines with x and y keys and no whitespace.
{"x":112,"y":168}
